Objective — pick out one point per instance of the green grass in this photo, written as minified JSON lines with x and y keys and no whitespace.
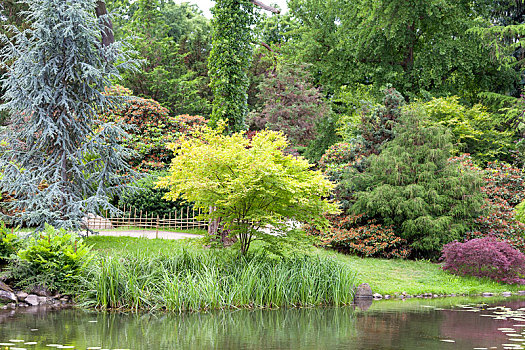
{"x":384,"y":276}
{"x":110,"y":245}
{"x":195,"y":231}
{"x":181,"y":275}
{"x":414,"y":277}
{"x":191,"y":279}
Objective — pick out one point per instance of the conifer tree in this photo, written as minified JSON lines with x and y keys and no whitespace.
{"x":55,"y":165}
{"x":412,"y":186}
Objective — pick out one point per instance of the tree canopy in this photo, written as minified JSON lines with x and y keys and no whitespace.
{"x":252,"y":184}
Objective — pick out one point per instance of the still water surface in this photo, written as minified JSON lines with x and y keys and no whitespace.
{"x":452,"y":323}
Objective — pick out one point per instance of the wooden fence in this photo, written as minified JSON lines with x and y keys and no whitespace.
{"x":184,"y":219}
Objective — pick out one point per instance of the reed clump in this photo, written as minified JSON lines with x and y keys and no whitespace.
{"x":202,"y":280}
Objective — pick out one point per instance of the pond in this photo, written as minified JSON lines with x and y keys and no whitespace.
{"x":450,"y":323}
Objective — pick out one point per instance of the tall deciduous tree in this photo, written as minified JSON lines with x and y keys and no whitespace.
{"x":421,"y":47}
{"x":229,"y":61}
{"x":164,"y":77}
{"x":57,"y":168}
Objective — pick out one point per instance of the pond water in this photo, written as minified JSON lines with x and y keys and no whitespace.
{"x":450,"y":323}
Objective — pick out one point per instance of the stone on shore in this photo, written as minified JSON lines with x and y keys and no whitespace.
{"x":32,"y":300}
{"x":21,"y":296}
{"x":41,"y":291}
{"x":363,"y":291}
{"x":8,"y":296}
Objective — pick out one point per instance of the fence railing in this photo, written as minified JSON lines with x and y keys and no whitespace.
{"x":183,"y":219}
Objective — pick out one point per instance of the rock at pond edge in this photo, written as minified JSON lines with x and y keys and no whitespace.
{"x":363,"y":291}
{"x":8,"y":296}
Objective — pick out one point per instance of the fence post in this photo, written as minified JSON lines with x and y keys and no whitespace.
{"x":157,"y":230}
{"x":187,"y":218}
{"x":123,"y":216}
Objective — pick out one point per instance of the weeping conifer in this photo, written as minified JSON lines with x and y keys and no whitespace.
{"x":54,"y":164}
{"x":413,"y":186}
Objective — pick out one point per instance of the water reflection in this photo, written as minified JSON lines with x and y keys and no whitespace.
{"x":413,"y":324}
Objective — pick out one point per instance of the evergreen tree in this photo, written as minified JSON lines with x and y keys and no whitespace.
{"x":412,"y":186}
{"x":377,"y":124}
{"x":289,"y":103}
{"x":55,"y":165}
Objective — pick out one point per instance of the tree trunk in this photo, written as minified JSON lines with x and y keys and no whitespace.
{"x":107,"y":34}
{"x":63,"y":175}
{"x":213,"y":225}
{"x":216,"y":229}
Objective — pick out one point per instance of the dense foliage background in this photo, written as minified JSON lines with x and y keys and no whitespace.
{"x":414,"y":109}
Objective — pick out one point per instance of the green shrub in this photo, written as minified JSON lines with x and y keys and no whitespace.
{"x":519,"y":212}
{"x":149,"y":199}
{"x":365,"y":136}
{"x":413,"y":187}
{"x":9,"y":243}
{"x":53,"y":258}
{"x":475,"y":130}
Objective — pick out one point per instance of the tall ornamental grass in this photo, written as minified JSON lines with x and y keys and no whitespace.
{"x":189,"y":281}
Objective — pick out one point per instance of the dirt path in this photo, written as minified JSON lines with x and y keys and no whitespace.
{"x":149,"y":234}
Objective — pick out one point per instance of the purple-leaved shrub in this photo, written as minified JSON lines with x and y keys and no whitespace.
{"x":485,"y":257}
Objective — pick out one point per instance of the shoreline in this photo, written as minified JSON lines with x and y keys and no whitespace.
{"x":57,"y":302}
{"x":400,"y":296}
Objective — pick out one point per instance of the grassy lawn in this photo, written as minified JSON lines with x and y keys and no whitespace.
{"x":195,"y":231}
{"x":384,"y":276}
{"x":120,"y":245}
{"x":414,"y":277}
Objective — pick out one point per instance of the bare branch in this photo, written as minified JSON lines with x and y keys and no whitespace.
{"x":265,"y":7}
{"x":267,"y":46}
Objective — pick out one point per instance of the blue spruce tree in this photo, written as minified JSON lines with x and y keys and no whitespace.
{"x":58,"y":161}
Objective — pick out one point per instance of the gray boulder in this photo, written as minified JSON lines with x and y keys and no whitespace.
{"x":32,"y":300}
{"x":41,"y":291}
{"x":363,"y":291}
{"x":8,"y":296}
{"x":21,"y":296}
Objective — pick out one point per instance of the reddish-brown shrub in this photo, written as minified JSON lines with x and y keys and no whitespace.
{"x":485,"y":257}
{"x":152,"y":128}
{"x":505,"y":189}
{"x":355,"y":235}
